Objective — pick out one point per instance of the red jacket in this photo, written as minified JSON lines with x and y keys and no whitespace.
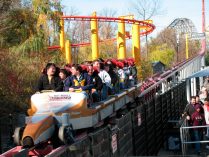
{"x":198,"y":119}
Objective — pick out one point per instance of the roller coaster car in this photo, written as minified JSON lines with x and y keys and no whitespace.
{"x":66,"y":111}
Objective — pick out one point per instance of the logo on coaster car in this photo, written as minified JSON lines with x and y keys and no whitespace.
{"x":59,"y":97}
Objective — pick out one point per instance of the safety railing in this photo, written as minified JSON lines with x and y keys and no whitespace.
{"x":184,"y":135}
{"x":187,"y":136}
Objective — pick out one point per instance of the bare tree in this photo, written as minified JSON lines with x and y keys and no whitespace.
{"x":147,"y":9}
{"x":77,"y":31}
{"x":107,"y":30}
{"x":71,"y":26}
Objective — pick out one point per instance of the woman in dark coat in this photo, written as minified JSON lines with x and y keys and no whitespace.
{"x":49,"y":80}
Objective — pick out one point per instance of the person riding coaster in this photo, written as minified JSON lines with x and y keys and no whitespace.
{"x":80,"y":82}
{"x":49,"y":79}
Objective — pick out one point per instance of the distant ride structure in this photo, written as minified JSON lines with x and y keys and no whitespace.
{"x":183,"y":25}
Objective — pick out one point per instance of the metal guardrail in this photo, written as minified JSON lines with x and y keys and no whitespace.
{"x":185,"y":135}
{"x":184,"y":71}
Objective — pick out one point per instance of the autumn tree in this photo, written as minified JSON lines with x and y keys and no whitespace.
{"x":78,"y":32}
{"x":162,"y":53}
{"x":108,"y":31}
{"x":23,"y":53}
{"x":207,"y":58}
{"x":194,"y":47}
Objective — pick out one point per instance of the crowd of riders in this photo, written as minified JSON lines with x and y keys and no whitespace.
{"x":96,"y":79}
{"x":197,"y":114}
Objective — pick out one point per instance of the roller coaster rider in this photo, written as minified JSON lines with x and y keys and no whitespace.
{"x":97,"y":88}
{"x":105,"y":77}
{"x":80,"y":82}
{"x":50,"y":80}
{"x":64,"y":75}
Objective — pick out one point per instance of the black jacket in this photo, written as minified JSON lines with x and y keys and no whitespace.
{"x":190,"y":109}
{"x":97,"y":81}
{"x":43,"y":83}
{"x":114,"y":77}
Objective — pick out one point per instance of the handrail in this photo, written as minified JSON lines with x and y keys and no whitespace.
{"x":194,"y":127}
{"x":169,"y":75}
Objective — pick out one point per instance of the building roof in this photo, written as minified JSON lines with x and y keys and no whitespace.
{"x":202,"y":73}
{"x":157,"y":62}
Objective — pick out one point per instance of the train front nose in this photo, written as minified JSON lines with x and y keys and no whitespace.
{"x":39,"y":130}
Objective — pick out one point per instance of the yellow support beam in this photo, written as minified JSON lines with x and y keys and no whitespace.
{"x":121,"y":40}
{"x":145,"y":27}
{"x":68,"y":53}
{"x":136,"y":48}
{"x":187,"y":46}
{"x":127,"y":16}
{"x":121,"y":37}
{"x":135,"y":41}
{"x":62,"y":34}
{"x":149,"y":21}
{"x":94,"y":38}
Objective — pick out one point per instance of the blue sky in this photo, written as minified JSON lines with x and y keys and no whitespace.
{"x":172,"y":9}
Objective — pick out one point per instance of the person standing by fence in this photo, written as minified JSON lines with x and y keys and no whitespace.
{"x":190,"y":109}
{"x":198,"y":119}
{"x":203,"y":93}
{"x":206,"y":111}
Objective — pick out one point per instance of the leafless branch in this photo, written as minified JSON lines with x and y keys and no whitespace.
{"x":147,"y":9}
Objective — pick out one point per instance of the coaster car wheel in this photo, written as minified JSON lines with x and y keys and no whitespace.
{"x":65,"y":134}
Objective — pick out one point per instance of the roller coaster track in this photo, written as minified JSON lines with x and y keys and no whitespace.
{"x":47,"y":151}
{"x":18,"y":151}
{"x":147,"y":27}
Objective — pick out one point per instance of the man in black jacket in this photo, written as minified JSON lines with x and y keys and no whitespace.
{"x":190,"y":109}
{"x":49,"y":81}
